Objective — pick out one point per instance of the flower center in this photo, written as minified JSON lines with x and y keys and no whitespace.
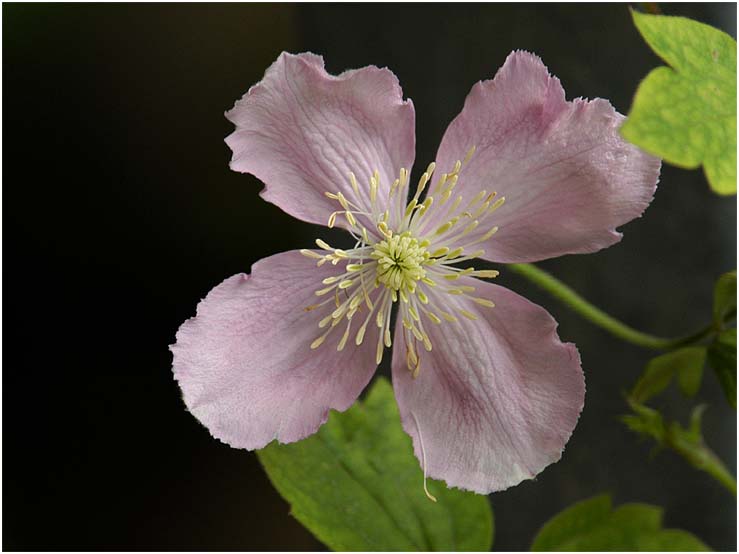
{"x":400,"y":261}
{"x":405,"y":255}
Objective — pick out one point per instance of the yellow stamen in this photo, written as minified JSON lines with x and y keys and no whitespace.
{"x":406,"y":251}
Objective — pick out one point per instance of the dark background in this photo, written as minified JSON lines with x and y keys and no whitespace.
{"x":120,"y":213}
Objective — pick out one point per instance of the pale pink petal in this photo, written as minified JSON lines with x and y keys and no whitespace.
{"x":245,"y":365}
{"x":569,"y":179}
{"x":301,"y":131}
{"x":496,"y":399}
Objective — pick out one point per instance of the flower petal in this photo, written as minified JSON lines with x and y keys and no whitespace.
{"x":496,"y":399}
{"x":301,"y":131}
{"x":245,"y":364}
{"x":569,"y":179}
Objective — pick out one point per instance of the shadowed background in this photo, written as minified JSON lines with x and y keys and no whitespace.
{"x":120,"y":213}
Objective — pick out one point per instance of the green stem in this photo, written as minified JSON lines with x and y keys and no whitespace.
{"x":576,"y":302}
{"x":716,"y":469}
{"x":701,"y":457}
{"x":687,"y":442}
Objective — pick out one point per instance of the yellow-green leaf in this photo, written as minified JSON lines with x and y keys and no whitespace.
{"x":686,"y":113}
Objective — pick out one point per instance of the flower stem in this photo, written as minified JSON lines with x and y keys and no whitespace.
{"x":700,"y":456}
{"x":687,"y":442}
{"x":597,"y":316}
{"x":716,"y":469}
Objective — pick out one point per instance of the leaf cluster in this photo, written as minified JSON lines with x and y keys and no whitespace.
{"x":685,"y":365}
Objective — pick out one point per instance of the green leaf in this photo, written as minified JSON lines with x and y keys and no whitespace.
{"x":724,"y":297}
{"x":686,"y":362}
{"x":592,"y":525}
{"x":575,"y":520}
{"x":722,"y":358}
{"x":686,"y":113}
{"x":690,"y":369}
{"x":357,"y":486}
{"x":671,"y":540}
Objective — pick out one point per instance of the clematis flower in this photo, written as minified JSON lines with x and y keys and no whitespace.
{"x":486,"y":389}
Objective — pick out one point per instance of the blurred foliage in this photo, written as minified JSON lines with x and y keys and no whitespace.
{"x":722,"y":352}
{"x":724,"y":297}
{"x":357,"y":486}
{"x":722,"y":357}
{"x":686,"y":113}
{"x":593,"y":525}
{"x":686,"y":441}
{"x":687,"y":363}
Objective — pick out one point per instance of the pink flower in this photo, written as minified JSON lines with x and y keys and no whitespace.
{"x":485,"y":388}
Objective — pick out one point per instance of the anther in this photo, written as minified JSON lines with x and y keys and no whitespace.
{"x":360,"y":334}
{"x":413,"y":312}
{"x":497,"y":204}
{"x":353,"y":181}
{"x":433,"y":317}
{"x":319,"y":341}
{"x":311,"y":254}
{"x":468,"y":315}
